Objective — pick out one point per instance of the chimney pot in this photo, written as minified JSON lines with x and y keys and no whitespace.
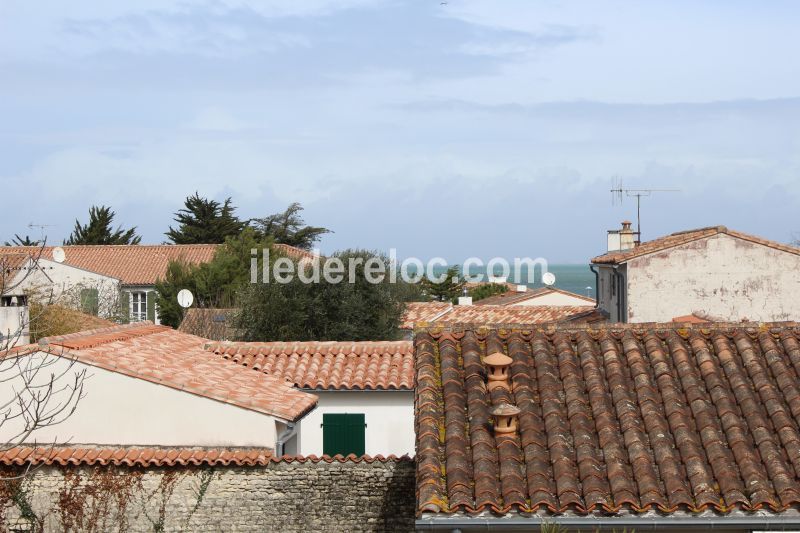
{"x":505,"y":418}
{"x":498,"y":364}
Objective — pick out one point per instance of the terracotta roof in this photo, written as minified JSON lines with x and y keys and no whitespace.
{"x":134,"y":456}
{"x":684,"y":237}
{"x":167,"y":357}
{"x":514,"y":297}
{"x":502,"y":314}
{"x":669,"y":418}
{"x":369,"y":365}
{"x":164,"y":456}
{"x":212,"y":324}
{"x":293,"y":252}
{"x":131,"y":264}
{"x":691,"y":319}
{"x":422,"y":312}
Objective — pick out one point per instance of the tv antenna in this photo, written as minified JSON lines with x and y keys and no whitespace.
{"x":41,"y":227}
{"x":618,"y":192}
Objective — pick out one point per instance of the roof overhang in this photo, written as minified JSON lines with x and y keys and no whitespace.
{"x":646,"y":522}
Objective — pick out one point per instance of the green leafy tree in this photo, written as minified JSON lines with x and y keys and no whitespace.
{"x":480,"y":292}
{"x":204,"y":221}
{"x":213,"y":284}
{"x":289,"y":228}
{"x":22,"y":241}
{"x":450,"y":288}
{"x":99,"y":230}
{"x":326,"y":310}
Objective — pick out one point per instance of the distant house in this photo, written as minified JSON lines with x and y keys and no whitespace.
{"x":365,"y":391}
{"x":709,"y":272}
{"x":539,"y":296}
{"x":624,"y":427}
{"x":151,"y":385}
{"x":132,"y":271}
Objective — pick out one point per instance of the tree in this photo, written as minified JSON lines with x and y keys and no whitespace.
{"x":289,"y":228}
{"x":204,"y":221}
{"x":450,"y":288}
{"x":325,"y":310}
{"x":213,"y":284}
{"x":99,"y":230}
{"x":22,"y":241}
{"x":485,"y":290}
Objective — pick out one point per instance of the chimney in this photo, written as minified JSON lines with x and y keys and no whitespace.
{"x":505,"y":418}
{"x":622,"y":239}
{"x":498,"y":364}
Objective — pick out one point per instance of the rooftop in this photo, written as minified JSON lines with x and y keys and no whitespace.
{"x":368,"y":365}
{"x":422,"y":314}
{"x":664,"y":418}
{"x":684,"y":237}
{"x":173,"y":359}
{"x":514,"y":297}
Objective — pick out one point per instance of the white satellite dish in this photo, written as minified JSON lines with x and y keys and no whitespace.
{"x":185,"y":298}
{"x":548,"y":278}
{"x":58,"y":254}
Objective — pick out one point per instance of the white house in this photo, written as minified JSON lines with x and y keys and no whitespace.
{"x":524,"y":296}
{"x":365,"y":391}
{"x":713,"y":272}
{"x":148,"y":385}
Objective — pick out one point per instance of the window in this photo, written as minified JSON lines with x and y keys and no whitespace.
{"x":343,"y":434}
{"x":138,"y":306}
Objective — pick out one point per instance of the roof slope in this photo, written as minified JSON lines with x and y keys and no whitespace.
{"x":668,"y":418}
{"x":422,"y":312}
{"x":443,"y":313}
{"x":367,"y":365}
{"x":139,"y":264}
{"x":134,"y":456}
{"x":167,"y":357}
{"x":514,"y":297}
{"x":684,"y":237}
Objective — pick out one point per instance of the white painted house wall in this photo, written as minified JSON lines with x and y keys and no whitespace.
{"x":61,"y":283}
{"x":389,"y":416}
{"x":123,"y":410}
{"x":721,"y":276}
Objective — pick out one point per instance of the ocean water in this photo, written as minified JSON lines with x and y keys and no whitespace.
{"x":574,"y":278}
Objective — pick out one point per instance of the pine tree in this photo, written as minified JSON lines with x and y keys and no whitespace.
{"x":204,"y":221}
{"x":99,"y":230}
{"x":22,"y":241}
{"x":289,"y":228}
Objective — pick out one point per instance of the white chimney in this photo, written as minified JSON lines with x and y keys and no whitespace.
{"x":465,"y":300}
{"x":621,"y":239}
{"x":522,"y":288}
{"x":14,"y":326}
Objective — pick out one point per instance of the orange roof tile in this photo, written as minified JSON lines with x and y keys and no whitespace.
{"x":667,"y":418}
{"x":514,"y":298}
{"x":131,"y":264}
{"x":292,"y":252}
{"x":684,"y":237}
{"x":134,"y":456}
{"x":368,"y":365}
{"x":167,"y":357}
{"x":503,"y":314}
{"x":422,"y":312}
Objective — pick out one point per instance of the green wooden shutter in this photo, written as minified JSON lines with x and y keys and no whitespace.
{"x":90,"y":301}
{"x":343,"y":433}
{"x":151,"y":306}
{"x":124,"y":312}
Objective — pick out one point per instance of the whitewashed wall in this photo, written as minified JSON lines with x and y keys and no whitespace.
{"x":722,"y":276}
{"x":123,"y":410}
{"x":389,"y":416}
{"x":555,"y":298}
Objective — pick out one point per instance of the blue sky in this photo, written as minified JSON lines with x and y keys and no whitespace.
{"x":471,"y":128}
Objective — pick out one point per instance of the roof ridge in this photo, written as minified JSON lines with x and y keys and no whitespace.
{"x":99,"y":336}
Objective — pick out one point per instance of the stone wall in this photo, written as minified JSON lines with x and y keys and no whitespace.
{"x":282,"y":496}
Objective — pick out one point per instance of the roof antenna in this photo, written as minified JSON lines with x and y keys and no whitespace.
{"x":618,"y":192}
{"x":41,"y":227}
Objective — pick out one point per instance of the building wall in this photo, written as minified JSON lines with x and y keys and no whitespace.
{"x":285,"y":496}
{"x":14,"y":326}
{"x":62,"y":283}
{"x":122,"y":410}
{"x":389,"y":416}
{"x":721,"y":276}
{"x":610,"y":292}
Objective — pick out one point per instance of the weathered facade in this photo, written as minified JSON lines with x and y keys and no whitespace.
{"x":295,"y":495}
{"x":713,"y":272}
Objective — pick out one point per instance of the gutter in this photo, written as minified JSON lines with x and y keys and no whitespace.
{"x":620,"y":294}
{"x":639,"y":523}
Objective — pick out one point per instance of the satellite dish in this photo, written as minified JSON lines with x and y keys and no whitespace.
{"x":185,"y":298}
{"x":548,"y":278}
{"x":58,"y":254}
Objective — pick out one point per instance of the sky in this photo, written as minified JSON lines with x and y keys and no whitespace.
{"x":455,"y":129}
